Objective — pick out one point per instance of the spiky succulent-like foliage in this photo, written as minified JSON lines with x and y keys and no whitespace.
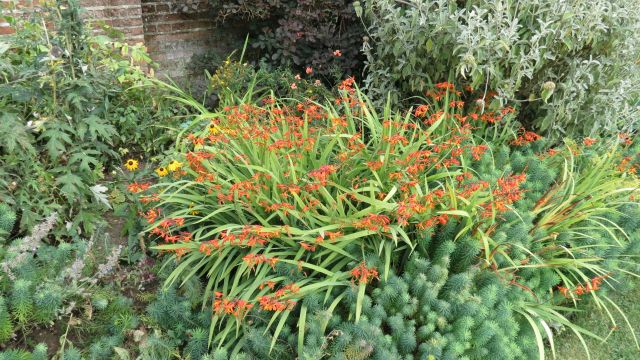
{"x":40,"y":352}
{"x":103,"y":348}
{"x":7,"y":220}
{"x":178,"y":315}
{"x":15,"y":354}
{"x":47,"y":301}
{"x":72,"y":353}
{"x":6,"y":327}
{"x":22,"y":301}
{"x":197,"y":345}
{"x":432,"y":311}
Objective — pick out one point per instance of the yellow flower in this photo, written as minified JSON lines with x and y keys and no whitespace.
{"x":193,"y":212}
{"x":162,"y":171}
{"x":174,"y":165}
{"x":131,"y":164}
{"x":213,"y":129}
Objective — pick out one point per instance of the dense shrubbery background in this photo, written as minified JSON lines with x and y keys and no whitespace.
{"x":301,"y":34}
{"x":68,"y":115}
{"x":283,"y":219}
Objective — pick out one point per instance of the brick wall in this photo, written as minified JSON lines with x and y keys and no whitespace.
{"x":8,"y":9}
{"x":171,"y":36}
{"x":124,"y":15}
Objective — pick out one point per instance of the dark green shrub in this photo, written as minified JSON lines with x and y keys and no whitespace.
{"x":301,"y":34}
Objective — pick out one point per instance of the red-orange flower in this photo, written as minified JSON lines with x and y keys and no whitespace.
{"x":421,"y":110}
{"x":526,"y":137}
{"x":364,"y":274}
{"x":137,"y":187}
{"x":588,"y":141}
{"x":236,"y":307}
{"x":373,"y":222}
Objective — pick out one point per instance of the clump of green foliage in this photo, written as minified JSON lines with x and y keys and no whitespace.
{"x":280,"y":207}
{"x":456,"y":299}
{"x":68,"y":113}
{"x":234,"y":81}
{"x":572,"y":66}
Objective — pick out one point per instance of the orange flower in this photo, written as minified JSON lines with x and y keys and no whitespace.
{"x":337,"y":53}
{"x":308,"y":247}
{"x":564,"y":291}
{"x":477,"y":151}
{"x":252,"y":260}
{"x":269,"y":284}
{"x":269,"y":303}
{"x":322,"y":173}
{"x":136,"y":187}
{"x":373,"y":222}
{"x":526,"y":137}
{"x":375,"y":165}
{"x":151,"y":215}
{"x":445,"y":86}
{"x":588,"y":141}
{"x":294,"y":86}
{"x":421,"y":110}
{"x":308,"y":70}
{"x":236,"y":307}
{"x":364,"y":274}
{"x":625,"y":138}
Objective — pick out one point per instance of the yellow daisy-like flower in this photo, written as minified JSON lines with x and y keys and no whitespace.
{"x":174,"y":165}
{"x":131,"y":164}
{"x":213,"y":129}
{"x":162,"y":171}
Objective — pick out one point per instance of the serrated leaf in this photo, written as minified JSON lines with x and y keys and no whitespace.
{"x":56,"y":141}
{"x":14,"y":135}
{"x":99,"y":193}
{"x":85,"y":160}
{"x":99,"y":128}
{"x":70,"y":185}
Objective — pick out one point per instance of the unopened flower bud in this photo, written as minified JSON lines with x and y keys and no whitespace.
{"x":549,"y":86}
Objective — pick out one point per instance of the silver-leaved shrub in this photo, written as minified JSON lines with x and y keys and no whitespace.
{"x":572,"y":65}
